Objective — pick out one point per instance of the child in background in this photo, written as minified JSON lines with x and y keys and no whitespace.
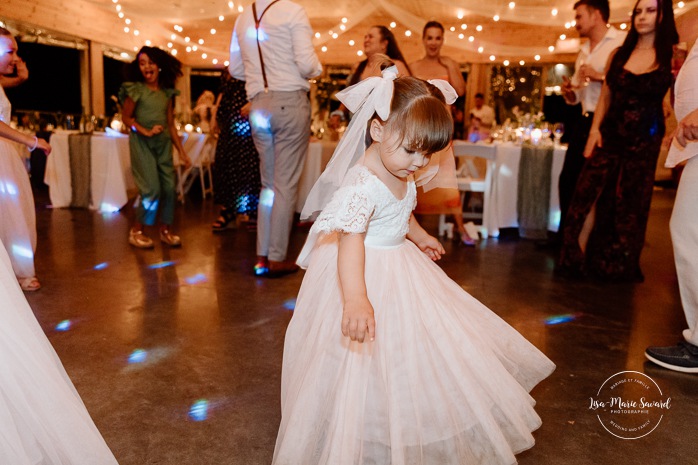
{"x":387,"y":360}
{"x":148,"y":110}
{"x":17,"y":215}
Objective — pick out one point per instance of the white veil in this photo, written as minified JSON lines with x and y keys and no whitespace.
{"x":372,"y":95}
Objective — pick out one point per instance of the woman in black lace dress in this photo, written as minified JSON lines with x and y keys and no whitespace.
{"x":607,"y":219}
{"x":236,"y":180}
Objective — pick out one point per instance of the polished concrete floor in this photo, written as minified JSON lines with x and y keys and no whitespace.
{"x":177,"y":353}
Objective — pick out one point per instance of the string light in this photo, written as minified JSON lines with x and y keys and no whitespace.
{"x":393,"y":24}
{"x":551,"y":48}
{"x":537,"y":57}
{"x":221,"y":18}
{"x":554,"y":12}
{"x":201,"y":41}
{"x":317,"y":35}
{"x":492,"y":57}
{"x":496,"y":18}
{"x":344,"y":20}
{"x":480,"y":49}
{"x":324,"y":49}
{"x":461,"y":36}
{"x":464,"y":26}
{"x":408,"y":33}
{"x":512,"y":5}
{"x":478,"y":28}
{"x":506,"y":63}
{"x":522,"y":62}
{"x":351,"y":43}
{"x":471,"y":39}
{"x":213,"y":31}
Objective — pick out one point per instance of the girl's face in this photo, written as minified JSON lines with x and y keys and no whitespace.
{"x":433,"y":40}
{"x":399,"y":160}
{"x":148,"y":68}
{"x":646,"y":17}
{"x":374,"y":42}
{"x":8,"y":54}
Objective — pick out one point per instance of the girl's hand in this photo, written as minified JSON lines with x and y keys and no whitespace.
{"x":157,"y":129}
{"x":593,"y":142}
{"x":358,"y":321}
{"x":432,"y":247}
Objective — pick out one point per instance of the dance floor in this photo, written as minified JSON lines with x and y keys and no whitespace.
{"x":177,"y":353}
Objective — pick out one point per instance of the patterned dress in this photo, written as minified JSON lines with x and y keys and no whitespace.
{"x":619,"y":179}
{"x":236,"y":179}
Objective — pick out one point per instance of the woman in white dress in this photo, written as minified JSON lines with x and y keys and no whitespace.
{"x":17,"y":217}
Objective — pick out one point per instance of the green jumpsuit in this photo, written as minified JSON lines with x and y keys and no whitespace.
{"x":151,"y":157}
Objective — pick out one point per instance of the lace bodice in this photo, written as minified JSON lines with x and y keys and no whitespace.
{"x":5,"y":107}
{"x":364,"y":204}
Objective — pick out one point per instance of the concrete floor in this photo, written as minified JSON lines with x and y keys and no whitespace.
{"x":211,"y":331}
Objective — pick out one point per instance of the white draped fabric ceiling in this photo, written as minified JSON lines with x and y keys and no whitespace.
{"x":198,"y":31}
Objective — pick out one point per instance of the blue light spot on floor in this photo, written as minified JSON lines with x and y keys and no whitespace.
{"x":199,"y":410}
{"x":101,"y":266}
{"x":197,"y":278}
{"x":557,"y":319}
{"x":63,"y":325}
{"x":155,"y":266}
{"x":137,"y":356}
{"x":290,"y":304}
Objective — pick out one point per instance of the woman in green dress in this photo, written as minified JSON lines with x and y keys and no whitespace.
{"x":148,"y":110}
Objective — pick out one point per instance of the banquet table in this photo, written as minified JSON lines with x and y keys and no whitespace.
{"x":501,"y":196}
{"x":110,"y":179}
{"x":109,"y":175}
{"x":319,"y":154}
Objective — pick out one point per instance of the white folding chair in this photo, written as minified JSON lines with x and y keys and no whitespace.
{"x":201,"y":151}
{"x":470,"y":178}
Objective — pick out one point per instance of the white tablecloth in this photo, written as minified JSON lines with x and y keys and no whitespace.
{"x":110,"y":171}
{"x":111,"y":177}
{"x":319,"y":153}
{"x":501,"y":199}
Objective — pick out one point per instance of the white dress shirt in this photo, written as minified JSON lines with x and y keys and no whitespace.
{"x":285,"y":37}
{"x":589,"y":94}
{"x":686,"y":101}
{"x":485,"y":114}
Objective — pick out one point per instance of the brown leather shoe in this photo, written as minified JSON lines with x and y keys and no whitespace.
{"x":261,"y":268}
{"x":279,"y":269}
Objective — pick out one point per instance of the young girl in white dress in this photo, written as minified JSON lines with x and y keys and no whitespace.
{"x":17,"y":216}
{"x":386,"y":359}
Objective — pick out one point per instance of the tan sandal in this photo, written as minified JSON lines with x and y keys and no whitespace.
{"x":166,"y":237}
{"x":30,"y":284}
{"x":139,"y":240}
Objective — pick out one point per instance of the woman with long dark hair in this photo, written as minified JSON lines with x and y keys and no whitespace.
{"x":607,"y":219}
{"x":379,"y":42}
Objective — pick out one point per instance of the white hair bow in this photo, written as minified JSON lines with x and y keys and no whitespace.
{"x":366,"y":98}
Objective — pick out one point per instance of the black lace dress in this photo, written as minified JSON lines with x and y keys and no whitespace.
{"x":236,"y":180}
{"x":618,"y":179}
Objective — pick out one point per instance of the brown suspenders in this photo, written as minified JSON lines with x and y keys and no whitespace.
{"x":259,"y":48}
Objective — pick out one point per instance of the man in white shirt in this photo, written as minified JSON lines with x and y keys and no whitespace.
{"x":684,"y":219}
{"x":481,"y":120}
{"x":591,"y":18}
{"x":275,"y":60}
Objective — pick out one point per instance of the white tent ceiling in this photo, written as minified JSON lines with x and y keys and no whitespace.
{"x":477,"y":31}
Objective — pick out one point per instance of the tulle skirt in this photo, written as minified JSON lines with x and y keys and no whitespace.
{"x":17,"y":215}
{"x":42,"y":418}
{"x":446,"y":381}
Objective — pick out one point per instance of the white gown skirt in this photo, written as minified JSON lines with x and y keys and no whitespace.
{"x":17,"y":215}
{"x":446,"y":381}
{"x":42,"y":418}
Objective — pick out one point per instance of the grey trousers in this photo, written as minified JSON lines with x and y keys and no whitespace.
{"x":684,"y":235}
{"x":280,"y":123}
